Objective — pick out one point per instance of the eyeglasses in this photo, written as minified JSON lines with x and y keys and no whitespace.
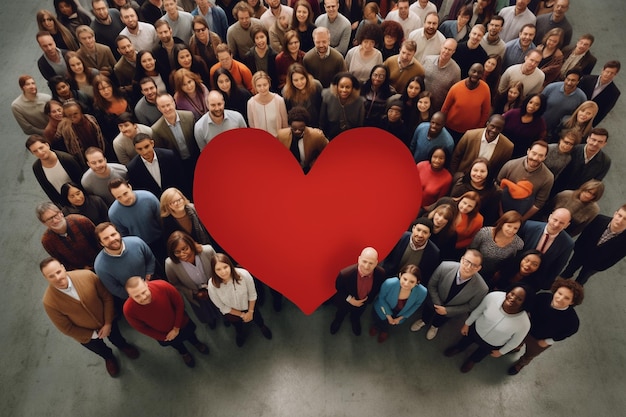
{"x":177,"y":201}
{"x":466,"y":262}
{"x":377,"y":75}
{"x":56,"y":216}
{"x":200,"y":30}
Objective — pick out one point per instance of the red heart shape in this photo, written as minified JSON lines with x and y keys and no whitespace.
{"x":295,"y":232}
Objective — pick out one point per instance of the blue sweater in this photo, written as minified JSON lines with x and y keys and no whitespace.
{"x":388,"y":298}
{"x":141,"y":219}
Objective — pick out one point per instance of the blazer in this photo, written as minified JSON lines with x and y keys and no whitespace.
{"x":45,"y":68}
{"x":605,"y":100}
{"x":599,"y":258}
{"x":104,"y":60}
{"x":171,"y":173}
{"x":314,"y":143}
{"x":346,"y":283}
{"x":179,"y":278}
{"x":577,"y":172}
{"x":466,"y":300}
{"x":468,"y":147}
{"x":164,"y":138}
{"x":79,"y":319}
{"x":388,"y":298}
{"x":71,"y":166}
{"x":429,"y":262}
{"x":555,"y":258}
{"x":586,"y":63}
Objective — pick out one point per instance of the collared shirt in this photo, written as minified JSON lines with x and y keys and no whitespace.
{"x":542,"y":245}
{"x":206,"y":129}
{"x":364,"y":285}
{"x":588,"y":159}
{"x":70,"y":290}
{"x":487,"y":148}
{"x":599,"y":88}
{"x":607,"y":235}
{"x":153,"y":168}
{"x":177,"y":131}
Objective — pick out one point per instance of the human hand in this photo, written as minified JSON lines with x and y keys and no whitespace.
{"x":357,"y":303}
{"x":465,"y":330}
{"x":105,"y":331}
{"x":441,"y":310}
{"x":496,"y":353}
{"x":247,"y":317}
{"x":201,"y":295}
{"x":542,"y":343}
{"x":172,"y":334}
{"x":148,"y":277}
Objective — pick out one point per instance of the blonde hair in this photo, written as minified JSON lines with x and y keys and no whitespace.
{"x":167,"y":197}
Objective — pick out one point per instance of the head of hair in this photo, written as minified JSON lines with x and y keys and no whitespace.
{"x":82,"y":29}
{"x":68,"y":2}
{"x":541,"y":143}
{"x":424,"y":221}
{"x":47,"y":261}
{"x":577,"y":290}
{"x":465,"y":10}
{"x":475,"y":197}
{"x":220,"y":257}
{"x":167,"y":197}
{"x":370,"y":32}
{"x":476,"y":253}
{"x":393,"y":29}
{"x":44,"y":206}
{"x":99,"y":101}
{"x":260,"y":75}
{"x":554,"y":32}
{"x":222,"y":47}
{"x":448,"y":212}
{"x":413,"y":270}
{"x":572,"y":122}
{"x":613,"y":64}
{"x":510,"y":216}
{"x":589,"y":37}
{"x":242,"y":6}
{"x":22,"y":80}
{"x":409,"y":45}
{"x":489,"y":179}
{"x":200,"y":20}
{"x":298,"y":114}
{"x":573,"y":134}
{"x":356,"y":86}
{"x":260,"y":28}
{"x":233,"y":84}
{"x":294,"y":20}
{"x":446,"y":152}
{"x":600,"y":131}
{"x":100,"y":228}
{"x":542,"y":106}
{"x":596,"y":186}
{"x":65,"y":190}
{"x":175,"y":239}
{"x":47,"y":108}
{"x":289,"y":35}
{"x":117,"y":183}
{"x":32,"y":139}
{"x":140,"y":137}
{"x":126,"y":117}
{"x":384,"y":91}
{"x":179,"y":78}
{"x":54,"y":81}
{"x":93,"y":149}
{"x":576,"y":71}
{"x":417,"y":79}
{"x":177,"y":49}
{"x":160,"y":23}
{"x":86,"y":68}
{"x":371,"y":7}
{"x":530,"y":294}
{"x":291,"y":92}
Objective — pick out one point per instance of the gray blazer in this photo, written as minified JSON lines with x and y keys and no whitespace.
{"x":466,"y":300}
{"x":179,"y":278}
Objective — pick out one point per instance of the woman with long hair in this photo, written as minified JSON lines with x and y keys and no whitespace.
{"x":492,"y":73}
{"x":581,"y":203}
{"x":258,"y":7}
{"x":235,"y":97}
{"x":301,"y":89}
{"x":183,"y":59}
{"x":80,"y":131}
{"x":581,"y":119}
{"x":109,"y":102}
{"x":409,"y":97}
{"x":468,"y":220}
{"x":342,"y":106}
{"x":551,"y":55}
{"x":69,"y":14}
{"x":178,"y":213}
{"x":54,"y":110}
{"x":362,"y":58}
{"x":291,"y":54}
{"x":266,"y":110}
{"x":62,"y":36}
{"x":146,"y":67}
{"x":302,"y":23}
{"x":191,"y":93}
{"x":80,"y":202}
{"x":509,"y":99}
{"x":525,"y":125}
{"x":203,"y":41}
{"x":80,"y":73}
{"x":376,"y":91}
{"x":480,"y":179}
{"x":444,"y":233}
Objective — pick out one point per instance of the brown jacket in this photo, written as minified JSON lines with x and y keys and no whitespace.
{"x":468,"y":147}
{"x":314,"y":143}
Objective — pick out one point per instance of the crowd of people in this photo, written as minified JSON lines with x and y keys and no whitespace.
{"x":499,"y":110}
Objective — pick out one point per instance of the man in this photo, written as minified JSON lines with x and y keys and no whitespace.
{"x":556,"y":19}
{"x":488,"y":143}
{"x":241,"y":74}
{"x":137,"y":213}
{"x":216,"y":121}
{"x":323,"y":61}
{"x":80,"y":307}
{"x":52,"y":169}
{"x":409,"y":20}
{"x":123,"y":143}
{"x":562,"y":98}
{"x":305,"y":143}
{"x":468,"y":103}
{"x":357,"y":286}
{"x":602,"y":90}
{"x":155,"y":169}
{"x":274,"y":11}
{"x":124,"y":69}
{"x":151,"y":11}
{"x":532,"y":169}
{"x":96,"y":55}
{"x":415,"y":248}
{"x":120,"y":259}
{"x":69,"y":239}
{"x":514,"y":18}
{"x":52,"y":62}
{"x":214,"y":15}
{"x":146,"y":110}
{"x":422,"y":7}
{"x":142,"y":35}
{"x":454,"y":289}
{"x":441,"y":73}
{"x":238,"y":35}
{"x":589,"y":161}
{"x":470,"y":52}
{"x":528,"y":73}
{"x":579,"y":56}
{"x":28,"y":107}
{"x":491,"y":42}
{"x":430,"y":135}
{"x":96,"y":179}
{"x":601,"y":245}
{"x":515,"y":50}
{"x":338,"y":26}
{"x":157,"y":310}
{"x":552,"y":241}
{"x":107,"y":25}
{"x":404,"y":66}
{"x":164,"y":52}
{"x":179,"y":20}
{"x":428,"y":39}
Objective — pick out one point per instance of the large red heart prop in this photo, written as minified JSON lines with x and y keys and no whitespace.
{"x":293,"y":231}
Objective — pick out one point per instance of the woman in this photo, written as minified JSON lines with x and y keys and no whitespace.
{"x":188,"y":268}
{"x":232,"y":291}
{"x":498,"y":243}
{"x":552,"y":319}
{"x":63,"y":92}
{"x":458,"y":29}
{"x":266,"y":110}
{"x":371,"y":15}
{"x":203,"y":42}
{"x":424,"y":107}
{"x":581,"y":203}
{"x":179,"y":214}
{"x":79,"y":202}
{"x":480,"y":179}
{"x":62,"y":36}
{"x":525,"y":125}
{"x":146,"y":67}
{"x":551,"y":55}
{"x":258,"y":7}
{"x":191,"y":93}
{"x":397,"y":300}
{"x":581,"y":120}
{"x":342,"y":106}
{"x":183,"y":59}
{"x":393,"y":35}
{"x":80,"y":131}
{"x":468,"y":220}
{"x":235,"y":97}
{"x":362,"y":58}
{"x":376,"y":91}
{"x":69,"y":15}
{"x":509,"y":99}
{"x":523,"y":268}
{"x":54,"y":110}
{"x":410,"y":97}
{"x":393,"y":122}
{"x":560,"y":154}
{"x":290,"y":54}
{"x":301,"y":89}
{"x":444,"y":234}
{"x":434,"y":175}
{"x":261,"y":57}
{"x":80,"y":73}
{"x":109,"y":102}
{"x":492,"y":73}
{"x":302,"y":23}
{"x":498,"y":325}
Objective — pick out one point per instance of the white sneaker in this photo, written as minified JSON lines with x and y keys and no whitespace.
{"x":416,"y":327}
{"x":432,"y":332}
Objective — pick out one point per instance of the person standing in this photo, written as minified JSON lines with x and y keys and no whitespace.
{"x":28,"y":107}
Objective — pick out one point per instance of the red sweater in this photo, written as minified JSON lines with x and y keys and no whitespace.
{"x":435,"y":184}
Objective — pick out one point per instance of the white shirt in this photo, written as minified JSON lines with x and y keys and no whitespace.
{"x":153,"y":168}
{"x":411,"y":23}
{"x":487,"y":148}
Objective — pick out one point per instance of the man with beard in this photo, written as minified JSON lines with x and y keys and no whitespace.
{"x":107,"y":25}
{"x":491,"y":42}
{"x":430,"y":135}
{"x":100,"y":173}
{"x":141,"y":34}
{"x":216,"y":121}
{"x":516,"y":49}
{"x":124,"y":69}
{"x":337,"y":24}
{"x":146,"y":110}
{"x":404,"y":66}
{"x":305,"y":143}
{"x":428,"y":39}
{"x":468,"y":103}
{"x":528,"y":73}
{"x":514,"y":18}
{"x":441,"y":72}
{"x":274,"y":10}
{"x":164,"y":52}
{"x":470,"y":52}
{"x":238,"y":36}
{"x":323,"y":61}
{"x":96,"y":55}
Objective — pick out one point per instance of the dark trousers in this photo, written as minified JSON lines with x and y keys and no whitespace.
{"x":101,"y":349}
{"x":206,"y":311}
{"x":344,"y":308}
{"x":238,"y":323}
{"x":430,"y":316}
{"x":577,"y":263}
{"x":381,"y":324}
{"x":532,"y":350}
{"x":484,"y":348}
{"x":186,"y":333}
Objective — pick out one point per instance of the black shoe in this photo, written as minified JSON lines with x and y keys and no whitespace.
{"x":451,"y":351}
{"x":467,"y":366}
{"x":267,"y":333}
{"x":113,"y":368}
{"x":189,"y":360}
{"x":212,"y":324}
{"x":240,"y":339}
{"x":514,"y":369}
{"x":278,"y":305}
{"x":334,"y":326}
{"x":202,"y":348}
{"x":356,"y":328}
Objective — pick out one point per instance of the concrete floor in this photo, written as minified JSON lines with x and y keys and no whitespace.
{"x":303,"y":371}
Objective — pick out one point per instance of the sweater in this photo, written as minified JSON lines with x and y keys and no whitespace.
{"x":324,"y":69}
{"x":258,"y":115}
{"x":142,"y":218}
{"x":29,"y":114}
{"x":435,"y":184}
{"x":99,"y":186}
{"x":467,"y":109}
{"x":549,"y":323}
{"x":541,"y":178}
{"x":233,"y":295}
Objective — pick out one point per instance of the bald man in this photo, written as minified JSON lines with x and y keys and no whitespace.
{"x":357,"y":285}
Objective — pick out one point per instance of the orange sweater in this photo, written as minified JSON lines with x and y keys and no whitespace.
{"x":467,"y":109}
{"x":466,"y":233}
